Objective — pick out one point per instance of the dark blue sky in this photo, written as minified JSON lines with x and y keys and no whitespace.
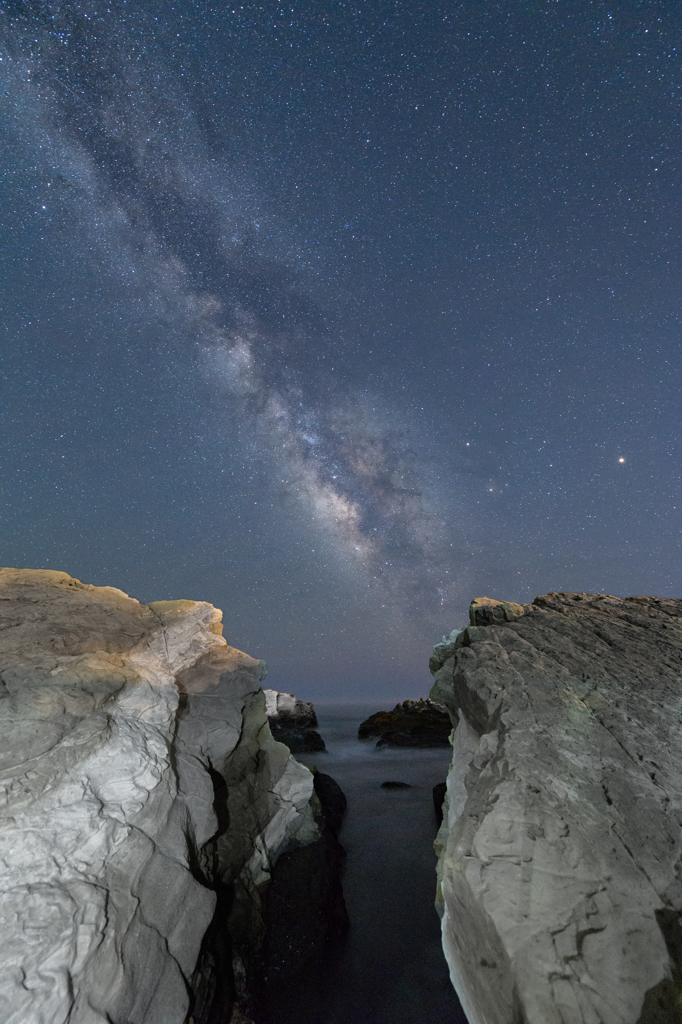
{"x":338,"y":315}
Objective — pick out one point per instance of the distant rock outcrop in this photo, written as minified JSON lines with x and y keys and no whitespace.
{"x":560,"y":866}
{"x":414,"y":723}
{"x":145,"y":804}
{"x":292,"y":721}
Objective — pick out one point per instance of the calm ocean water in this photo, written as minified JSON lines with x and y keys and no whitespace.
{"x":391,"y":968}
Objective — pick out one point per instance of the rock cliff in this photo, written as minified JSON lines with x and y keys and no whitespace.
{"x":560,"y":867}
{"x":144,"y":804}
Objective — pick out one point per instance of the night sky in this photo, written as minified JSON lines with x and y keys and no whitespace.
{"x":341,"y":314}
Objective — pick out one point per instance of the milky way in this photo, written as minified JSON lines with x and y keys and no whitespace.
{"x":373,"y":369}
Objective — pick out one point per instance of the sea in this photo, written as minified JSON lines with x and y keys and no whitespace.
{"x":390,"y":969}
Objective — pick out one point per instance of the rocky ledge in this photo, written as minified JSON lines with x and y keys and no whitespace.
{"x":414,"y":723}
{"x":145,"y":809}
{"x":560,"y":867}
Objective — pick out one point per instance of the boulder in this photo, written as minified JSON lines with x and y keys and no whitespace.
{"x":485,"y":611}
{"x":414,"y":723}
{"x":144,"y":806}
{"x":560,"y":852}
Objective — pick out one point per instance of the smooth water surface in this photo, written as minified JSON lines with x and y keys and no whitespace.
{"x":391,"y":968}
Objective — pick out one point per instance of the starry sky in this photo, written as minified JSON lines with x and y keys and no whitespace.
{"x":341,"y":314}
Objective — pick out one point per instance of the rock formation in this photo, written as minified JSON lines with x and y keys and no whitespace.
{"x":560,"y":864}
{"x":286,"y":709}
{"x":292,"y":721}
{"x":414,"y":723}
{"x":144,"y":806}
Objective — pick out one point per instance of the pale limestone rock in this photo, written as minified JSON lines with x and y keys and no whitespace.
{"x":560,"y":853}
{"x":117,"y":719}
{"x":291,"y":721}
{"x":285,"y":708}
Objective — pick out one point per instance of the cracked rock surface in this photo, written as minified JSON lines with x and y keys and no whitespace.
{"x":560,"y":853}
{"x":140,"y":786}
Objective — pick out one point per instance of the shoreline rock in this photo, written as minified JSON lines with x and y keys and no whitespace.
{"x":292,"y":721}
{"x":413,"y":723}
{"x":145,"y":806}
{"x":559,"y":883}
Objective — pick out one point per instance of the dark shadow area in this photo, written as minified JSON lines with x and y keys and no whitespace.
{"x":663,"y":1003}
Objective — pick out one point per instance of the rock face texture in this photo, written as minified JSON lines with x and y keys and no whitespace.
{"x":560,"y":868}
{"x":292,"y":721}
{"x":414,"y":723}
{"x":144,"y":805}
